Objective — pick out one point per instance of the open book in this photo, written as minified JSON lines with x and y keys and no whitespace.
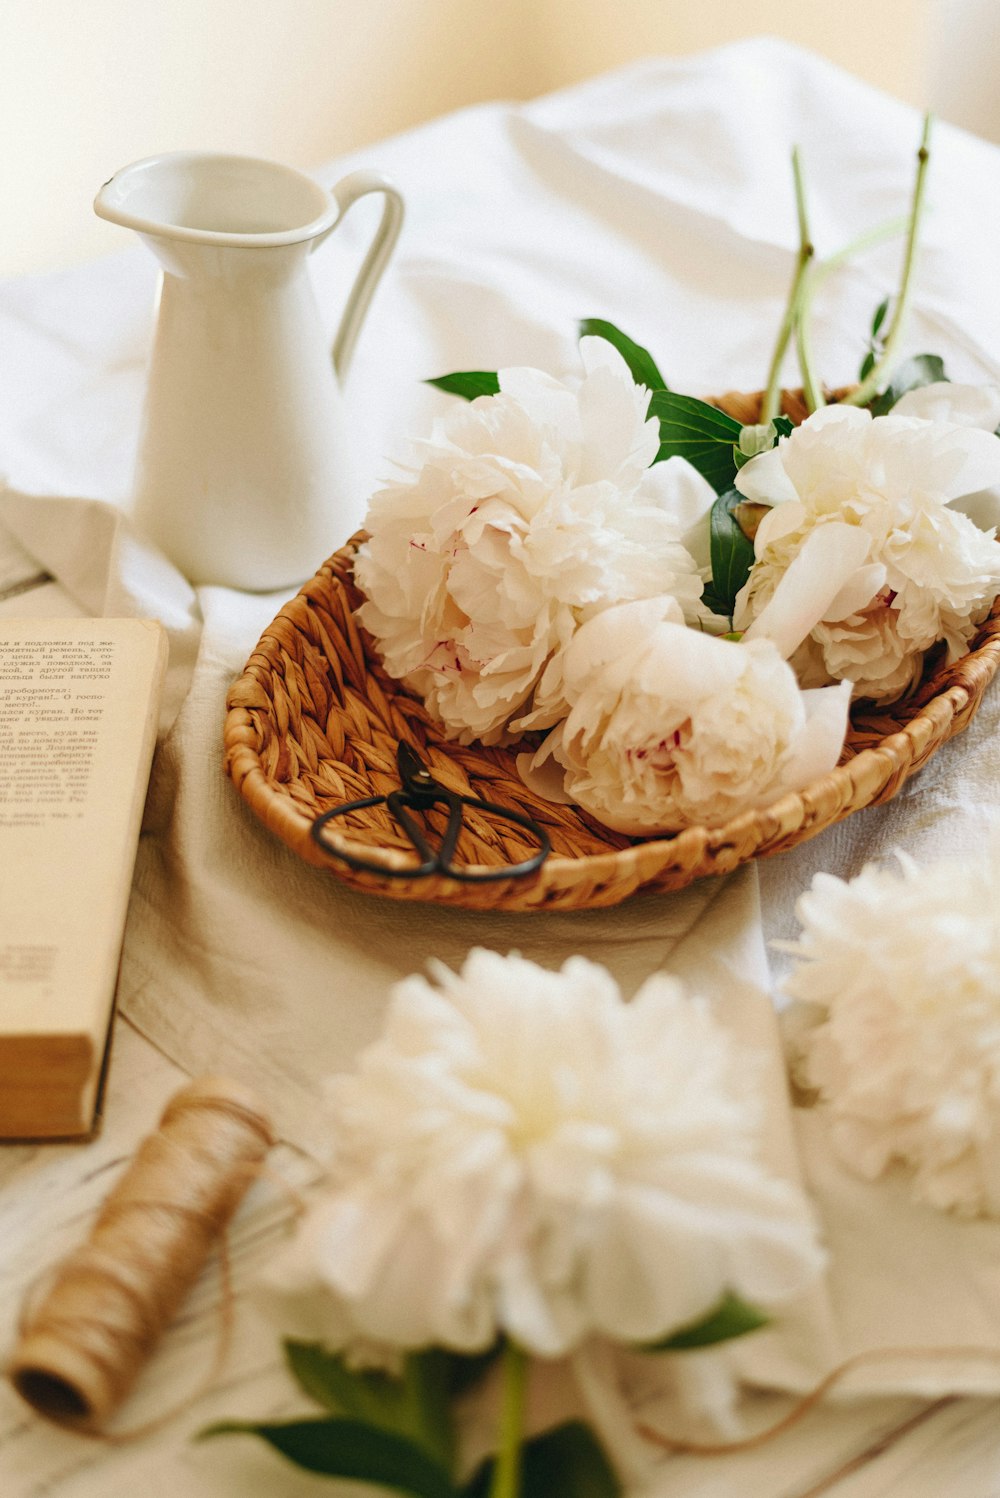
{"x":78,"y":704}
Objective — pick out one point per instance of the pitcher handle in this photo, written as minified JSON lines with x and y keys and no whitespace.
{"x":358,"y":185}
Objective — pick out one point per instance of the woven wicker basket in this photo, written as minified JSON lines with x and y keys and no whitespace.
{"x":314,"y":721}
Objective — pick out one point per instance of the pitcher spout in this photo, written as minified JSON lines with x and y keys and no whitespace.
{"x":234,"y":201}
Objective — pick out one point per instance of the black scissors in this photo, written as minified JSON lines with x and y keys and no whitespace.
{"x":419,"y":792}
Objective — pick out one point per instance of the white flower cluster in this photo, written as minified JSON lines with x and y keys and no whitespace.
{"x":530,"y":511}
{"x":535,"y":571}
{"x":523,"y":1152}
{"x":899,"y":1027}
{"x":863,"y":558}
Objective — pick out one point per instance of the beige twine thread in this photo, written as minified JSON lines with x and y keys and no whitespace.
{"x":808,"y":1402}
{"x":85,"y":1334}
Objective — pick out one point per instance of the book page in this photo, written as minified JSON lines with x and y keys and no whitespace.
{"x":77,"y":701}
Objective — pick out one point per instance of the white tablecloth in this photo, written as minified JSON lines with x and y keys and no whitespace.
{"x":659,"y":197}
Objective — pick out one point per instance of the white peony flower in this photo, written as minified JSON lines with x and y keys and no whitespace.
{"x":915,"y":572}
{"x":669,"y":727}
{"x":529,"y":511}
{"x":898,"y":1027}
{"x":522,"y":1152}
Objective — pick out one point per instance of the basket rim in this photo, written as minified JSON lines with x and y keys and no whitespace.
{"x":868,"y":776}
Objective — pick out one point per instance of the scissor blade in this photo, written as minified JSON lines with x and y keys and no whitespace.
{"x":413,"y":773}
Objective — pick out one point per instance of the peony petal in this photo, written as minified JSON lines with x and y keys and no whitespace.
{"x":700,"y":665}
{"x":782,"y":521}
{"x":545,"y":1323}
{"x":687,"y":496}
{"x":818,"y":747}
{"x":527,"y":386}
{"x":542,"y":773}
{"x":644,"y":1277}
{"x":597,"y":353}
{"x":858,"y":592}
{"x":982,"y":508}
{"x":827,"y":564}
{"x":764,"y":479}
{"x":958,"y":460}
{"x":965,"y":405}
{"x":980,"y":468}
{"x":616,"y":436}
{"x":844,"y":417}
{"x":616,"y":634}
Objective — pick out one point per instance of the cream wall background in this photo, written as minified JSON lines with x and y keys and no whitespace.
{"x":86,"y":87}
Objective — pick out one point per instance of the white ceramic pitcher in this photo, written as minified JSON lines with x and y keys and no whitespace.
{"x":244,"y":467}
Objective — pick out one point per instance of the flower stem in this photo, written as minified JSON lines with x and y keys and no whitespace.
{"x":819,"y":272}
{"x":772,"y":395}
{"x":878,"y":377}
{"x":812,"y":388}
{"x":506,"y":1481}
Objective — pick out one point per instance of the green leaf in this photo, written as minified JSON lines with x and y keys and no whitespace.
{"x":731,"y":1318}
{"x":349,"y":1448}
{"x":732,"y":555}
{"x":566,"y":1462}
{"x":325,"y":1377}
{"x":783,"y":426}
{"x":468,"y":383}
{"x":639,"y":360}
{"x":715,"y":602}
{"x":694,"y":430}
{"x":922,"y":369}
{"x":879,"y":318}
{"x":415,"y":1405}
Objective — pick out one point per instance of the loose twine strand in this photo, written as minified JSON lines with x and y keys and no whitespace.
{"x":87,"y":1329}
{"x":678,"y":1445}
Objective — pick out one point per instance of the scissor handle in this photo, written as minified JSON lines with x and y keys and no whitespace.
{"x":400,"y":804}
{"x":364,"y":865}
{"x":502,"y":871}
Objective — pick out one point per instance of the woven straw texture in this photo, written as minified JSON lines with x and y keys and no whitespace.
{"x":314,"y":721}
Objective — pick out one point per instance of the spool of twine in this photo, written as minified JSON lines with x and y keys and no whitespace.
{"x":85,"y":1336}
